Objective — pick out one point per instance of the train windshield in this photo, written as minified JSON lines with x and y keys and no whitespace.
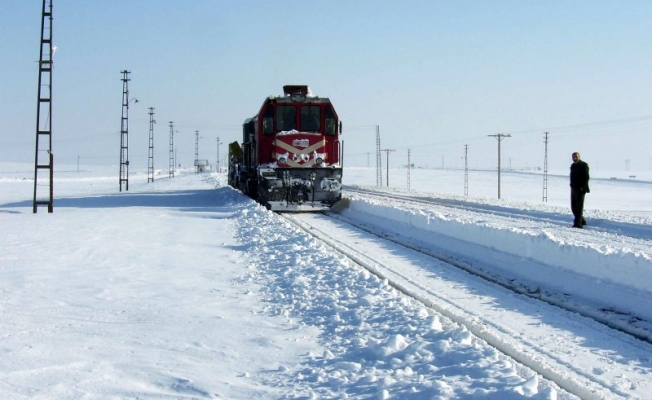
{"x":310,"y":118}
{"x":331,"y":121}
{"x":286,"y":118}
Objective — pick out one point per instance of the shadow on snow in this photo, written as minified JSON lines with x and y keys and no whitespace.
{"x":205,"y":198}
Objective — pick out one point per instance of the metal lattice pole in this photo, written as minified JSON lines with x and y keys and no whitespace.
{"x":379,"y":163}
{"x":124,"y":132}
{"x":408,"y":170}
{"x":150,"y":159}
{"x":44,"y":158}
{"x":171,"y":161}
{"x":466,"y":170}
{"x":218,"y":154}
{"x":545,"y":168}
{"x":196,"y":152}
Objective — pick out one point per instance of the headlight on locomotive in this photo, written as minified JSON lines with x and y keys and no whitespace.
{"x":319,"y":160}
{"x":282,"y":160}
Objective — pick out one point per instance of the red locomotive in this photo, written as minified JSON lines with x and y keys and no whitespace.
{"x":291,"y":154}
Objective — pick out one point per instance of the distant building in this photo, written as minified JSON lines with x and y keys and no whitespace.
{"x":201,"y":165}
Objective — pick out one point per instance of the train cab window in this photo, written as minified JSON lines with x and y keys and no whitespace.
{"x":268,"y":121}
{"x":310,"y":118}
{"x":286,"y":118}
{"x":248,"y":131}
{"x":331,"y":121}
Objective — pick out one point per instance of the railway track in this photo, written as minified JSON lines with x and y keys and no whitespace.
{"x":643,"y":231}
{"x":470,"y":296}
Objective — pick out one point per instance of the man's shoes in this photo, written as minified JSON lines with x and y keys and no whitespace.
{"x":583,"y":222}
{"x":577,"y":226}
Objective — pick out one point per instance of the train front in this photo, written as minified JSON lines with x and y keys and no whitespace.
{"x":300,"y":152}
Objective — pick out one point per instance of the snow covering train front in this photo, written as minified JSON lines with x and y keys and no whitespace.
{"x":290,"y":158}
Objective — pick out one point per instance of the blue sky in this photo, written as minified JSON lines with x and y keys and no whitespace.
{"x":433,"y":75}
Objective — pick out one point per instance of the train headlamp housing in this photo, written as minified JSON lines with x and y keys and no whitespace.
{"x":298,"y":98}
{"x":282,"y":160}
{"x":319,"y":160}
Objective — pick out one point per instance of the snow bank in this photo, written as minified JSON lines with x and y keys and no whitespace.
{"x":598,"y":266}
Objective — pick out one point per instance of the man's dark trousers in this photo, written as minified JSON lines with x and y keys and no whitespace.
{"x":577,"y":205}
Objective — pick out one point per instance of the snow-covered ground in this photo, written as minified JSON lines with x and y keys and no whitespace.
{"x":612,"y":255}
{"x":183,"y":288}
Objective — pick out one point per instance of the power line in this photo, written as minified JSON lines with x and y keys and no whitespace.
{"x":589,"y":124}
{"x":609,"y":124}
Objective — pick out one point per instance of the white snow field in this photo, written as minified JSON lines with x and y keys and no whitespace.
{"x":185,"y":289}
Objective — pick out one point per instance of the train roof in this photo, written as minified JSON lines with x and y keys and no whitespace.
{"x":293,"y":94}
{"x":298,"y":94}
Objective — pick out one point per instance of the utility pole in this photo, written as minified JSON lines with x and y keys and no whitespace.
{"x":500,"y":138}
{"x":150,"y":159}
{"x":196,"y":152}
{"x":171,"y":161}
{"x":387,"y":151}
{"x":466,"y":170}
{"x":218,"y":153}
{"x":379,"y":166}
{"x":408,"y":170}
{"x":124,"y":131}
{"x":44,"y":158}
{"x":545,"y":167}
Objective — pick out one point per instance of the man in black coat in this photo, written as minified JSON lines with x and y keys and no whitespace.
{"x":579,"y":183}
